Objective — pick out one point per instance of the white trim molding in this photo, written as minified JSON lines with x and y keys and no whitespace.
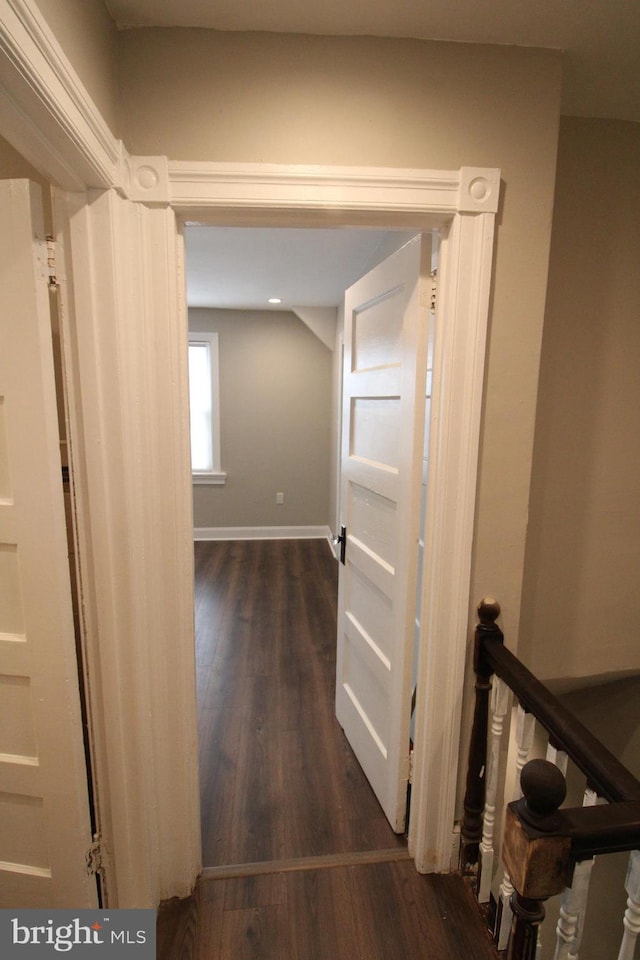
{"x":125,"y":338}
{"x":458,"y":374}
{"x":45,"y":111}
{"x":209,"y":479}
{"x":146,"y":179}
{"x":211,"y":187}
{"x":262,"y":533}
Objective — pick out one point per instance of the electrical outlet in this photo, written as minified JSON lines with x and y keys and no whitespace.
{"x":279,"y":497}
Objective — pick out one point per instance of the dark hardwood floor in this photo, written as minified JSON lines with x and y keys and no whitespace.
{"x":383,"y":911}
{"x":300,"y":863}
{"x":278,"y":778}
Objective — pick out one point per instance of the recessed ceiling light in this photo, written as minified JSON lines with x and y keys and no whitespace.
{"x":275,"y":300}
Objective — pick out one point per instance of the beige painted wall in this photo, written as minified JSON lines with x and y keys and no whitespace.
{"x":398,"y":103}
{"x":13,"y":164}
{"x":582,"y":604}
{"x":88,"y":37}
{"x":275,"y":399}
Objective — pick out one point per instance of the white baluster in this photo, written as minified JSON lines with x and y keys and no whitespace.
{"x":559,"y":758}
{"x":631,"y":921}
{"x":572,"y":907}
{"x":567,"y":925}
{"x":499,"y":702}
{"x":574,"y":903}
{"x":525,"y":725}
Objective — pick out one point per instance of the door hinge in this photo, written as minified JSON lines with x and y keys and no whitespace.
{"x":433,"y":296}
{"x":410,"y":776}
{"x":94,"y":856}
{"x":51,"y":262}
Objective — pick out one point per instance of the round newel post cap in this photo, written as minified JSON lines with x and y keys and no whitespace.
{"x":488,"y":610}
{"x":544,"y":789}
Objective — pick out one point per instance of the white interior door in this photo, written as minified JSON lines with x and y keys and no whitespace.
{"x":385,"y":361}
{"x":45,"y":828}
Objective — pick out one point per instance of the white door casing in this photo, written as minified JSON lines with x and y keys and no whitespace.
{"x":157,"y":392}
{"x":45,"y":827}
{"x":385,"y":362}
{"x":125,"y":334}
{"x":146,"y":749}
{"x":48,"y":115}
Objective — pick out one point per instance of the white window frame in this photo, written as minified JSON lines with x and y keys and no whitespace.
{"x":216,"y":474}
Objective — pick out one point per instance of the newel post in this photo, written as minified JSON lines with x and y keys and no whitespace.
{"x":535,"y":853}
{"x":474,"y":798}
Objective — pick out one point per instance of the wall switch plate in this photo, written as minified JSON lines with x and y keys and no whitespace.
{"x":279,"y":497}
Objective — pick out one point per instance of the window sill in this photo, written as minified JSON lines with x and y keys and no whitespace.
{"x":209,"y":478}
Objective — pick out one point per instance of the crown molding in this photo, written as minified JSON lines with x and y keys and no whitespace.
{"x":45,"y":111}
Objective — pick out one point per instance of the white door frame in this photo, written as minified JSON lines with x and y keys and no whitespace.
{"x":121,"y":233}
{"x":462,"y":206}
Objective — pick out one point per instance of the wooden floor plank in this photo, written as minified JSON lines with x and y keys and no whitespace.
{"x":210,"y":900}
{"x":321,"y":915}
{"x":258,"y":823}
{"x":257,"y":890}
{"x":256,"y":933}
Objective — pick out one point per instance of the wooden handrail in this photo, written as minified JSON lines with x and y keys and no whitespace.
{"x":611,"y":828}
{"x":605,"y":774}
{"x":543,"y":841}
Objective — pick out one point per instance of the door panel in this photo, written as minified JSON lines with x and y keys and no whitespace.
{"x":385,"y":360}
{"x":44,"y":812}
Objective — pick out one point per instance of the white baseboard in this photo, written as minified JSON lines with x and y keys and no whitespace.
{"x":262,"y":533}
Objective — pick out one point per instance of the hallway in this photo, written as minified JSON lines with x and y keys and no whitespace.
{"x":278,"y":778}
{"x":299,"y":861}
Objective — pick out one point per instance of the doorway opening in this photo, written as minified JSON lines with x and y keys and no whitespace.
{"x":278,"y":779}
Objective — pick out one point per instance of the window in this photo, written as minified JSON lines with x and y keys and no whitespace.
{"x":204,"y":403}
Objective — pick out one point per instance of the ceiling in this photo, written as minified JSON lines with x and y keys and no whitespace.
{"x":600,"y":38}
{"x":242,"y":267}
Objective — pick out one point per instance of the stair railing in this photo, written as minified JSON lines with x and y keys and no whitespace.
{"x":547,"y":849}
